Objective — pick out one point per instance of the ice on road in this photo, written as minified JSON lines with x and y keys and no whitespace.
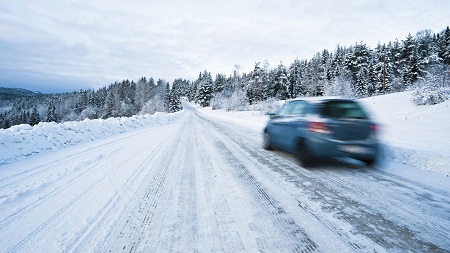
{"x":201,"y":184}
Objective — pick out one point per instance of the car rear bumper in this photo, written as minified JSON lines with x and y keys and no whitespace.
{"x":331,"y":148}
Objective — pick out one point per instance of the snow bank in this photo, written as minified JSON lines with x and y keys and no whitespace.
{"x":413,"y":135}
{"x":21,"y":141}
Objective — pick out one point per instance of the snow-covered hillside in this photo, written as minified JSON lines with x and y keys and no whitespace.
{"x":413,"y":135}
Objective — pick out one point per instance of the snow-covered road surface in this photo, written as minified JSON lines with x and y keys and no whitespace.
{"x":201,"y":184}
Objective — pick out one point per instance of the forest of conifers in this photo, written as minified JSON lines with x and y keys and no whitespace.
{"x":420,"y":63}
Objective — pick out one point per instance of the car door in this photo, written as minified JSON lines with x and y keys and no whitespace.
{"x":276,"y":125}
{"x":290,"y":125}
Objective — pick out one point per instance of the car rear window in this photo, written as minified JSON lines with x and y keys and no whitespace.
{"x":343,"y":109}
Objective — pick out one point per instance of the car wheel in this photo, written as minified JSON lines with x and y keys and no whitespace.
{"x":303,"y":155}
{"x":370,"y":162}
{"x":266,"y":142}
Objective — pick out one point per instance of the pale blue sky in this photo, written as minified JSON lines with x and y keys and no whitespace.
{"x":65,"y":45}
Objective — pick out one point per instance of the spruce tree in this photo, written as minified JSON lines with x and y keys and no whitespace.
{"x":51,"y":113}
{"x":34,"y":117}
{"x":205,"y":89}
{"x":281,"y":84}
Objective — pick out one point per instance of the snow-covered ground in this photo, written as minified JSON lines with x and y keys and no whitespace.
{"x":199,"y":180}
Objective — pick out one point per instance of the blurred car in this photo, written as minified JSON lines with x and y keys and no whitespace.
{"x":322,"y":128}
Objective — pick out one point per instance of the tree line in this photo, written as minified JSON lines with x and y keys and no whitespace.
{"x":120,"y":99}
{"x":356,"y":71}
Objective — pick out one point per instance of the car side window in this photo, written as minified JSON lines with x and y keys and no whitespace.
{"x":343,"y":109}
{"x":293,"y":108}
{"x":298,"y":108}
{"x":285,"y":109}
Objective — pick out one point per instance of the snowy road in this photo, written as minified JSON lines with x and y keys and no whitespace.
{"x":206,"y":185}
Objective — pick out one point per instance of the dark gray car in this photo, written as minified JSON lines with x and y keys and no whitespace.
{"x":320,"y":128}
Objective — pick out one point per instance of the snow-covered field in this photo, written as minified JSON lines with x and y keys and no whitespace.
{"x":199,"y":180}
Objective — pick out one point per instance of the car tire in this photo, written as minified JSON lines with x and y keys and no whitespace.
{"x":371,"y":162}
{"x":266,"y":141}
{"x":304,"y":156}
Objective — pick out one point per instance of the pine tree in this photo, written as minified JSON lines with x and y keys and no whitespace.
{"x":358,"y":59}
{"x":109,"y":105}
{"x":362,"y":78}
{"x":281,"y":84}
{"x":174,"y":102}
{"x":140,"y":95}
{"x":295,"y":79}
{"x":205,"y":89}
{"x":254,"y":88}
{"x":413,"y":69}
{"x":443,"y":44}
{"x":34,"y":117}
{"x":219,"y":83}
{"x":175,"y":96}
{"x":82,"y":101}
{"x":51,"y":113}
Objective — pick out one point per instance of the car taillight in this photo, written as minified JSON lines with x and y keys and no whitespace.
{"x":374,"y":128}
{"x":319,"y":127}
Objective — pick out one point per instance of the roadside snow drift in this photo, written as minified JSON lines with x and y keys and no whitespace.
{"x":21,"y":141}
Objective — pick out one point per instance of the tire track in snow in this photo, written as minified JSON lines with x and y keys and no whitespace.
{"x":22,"y":246}
{"x":291,"y":236}
{"x":44,"y":199}
{"x":97,"y":230}
{"x":44,"y":228}
{"x":433,"y":212}
{"x":176,"y":227}
{"x":217,"y":230}
{"x":132,"y":235}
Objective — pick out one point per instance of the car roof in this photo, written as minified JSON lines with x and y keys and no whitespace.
{"x":322,"y":99}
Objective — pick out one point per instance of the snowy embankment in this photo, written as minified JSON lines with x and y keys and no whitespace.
{"x":21,"y":141}
{"x":418,"y":136}
{"x":414,"y":135}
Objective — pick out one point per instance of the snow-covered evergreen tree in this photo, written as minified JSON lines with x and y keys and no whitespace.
{"x":296,"y":86}
{"x":362,"y":80}
{"x":254,"y":88}
{"x":34,"y":118}
{"x":205,"y":89}
{"x":175,"y":96}
{"x":51,"y":113}
{"x":281,"y":83}
{"x":219,"y":83}
{"x":141,"y":93}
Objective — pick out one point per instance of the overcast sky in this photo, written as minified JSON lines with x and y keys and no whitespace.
{"x":66,"y":45}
